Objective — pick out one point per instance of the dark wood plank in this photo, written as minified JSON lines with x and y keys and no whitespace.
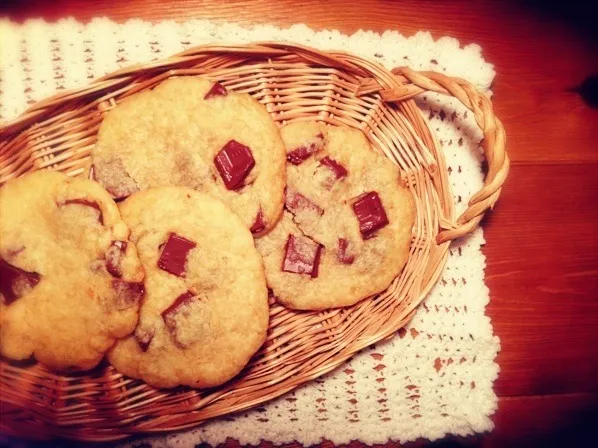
{"x":539,"y":56}
{"x":542,"y":250}
{"x":567,"y":420}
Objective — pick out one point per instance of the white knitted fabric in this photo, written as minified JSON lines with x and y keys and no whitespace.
{"x":432,"y":379}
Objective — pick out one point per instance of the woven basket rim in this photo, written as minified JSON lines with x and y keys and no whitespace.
{"x":39,"y":139}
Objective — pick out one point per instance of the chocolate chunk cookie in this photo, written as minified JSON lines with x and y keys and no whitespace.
{"x":346,"y":229}
{"x":70,"y":280}
{"x":206,"y":307}
{"x":193,"y":132}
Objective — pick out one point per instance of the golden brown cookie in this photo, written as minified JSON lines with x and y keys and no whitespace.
{"x":206,"y":307}
{"x":192,"y":132}
{"x":70,"y":280}
{"x":346,"y":229}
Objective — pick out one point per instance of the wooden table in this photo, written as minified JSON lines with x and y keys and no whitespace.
{"x":542,"y":239}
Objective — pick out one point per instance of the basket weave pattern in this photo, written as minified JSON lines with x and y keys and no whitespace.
{"x":294,"y":83}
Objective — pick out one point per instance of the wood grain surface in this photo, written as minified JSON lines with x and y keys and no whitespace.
{"x":542,"y":238}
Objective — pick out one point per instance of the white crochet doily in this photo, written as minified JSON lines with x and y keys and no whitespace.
{"x":433,"y":378}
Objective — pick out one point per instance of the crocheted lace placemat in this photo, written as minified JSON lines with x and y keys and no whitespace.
{"x":434,"y":377}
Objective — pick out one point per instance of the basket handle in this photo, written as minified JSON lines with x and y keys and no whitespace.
{"x":413,"y":83}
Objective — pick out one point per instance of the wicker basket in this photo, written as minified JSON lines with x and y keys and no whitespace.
{"x":294,"y":83}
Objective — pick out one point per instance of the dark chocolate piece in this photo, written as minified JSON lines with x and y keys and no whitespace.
{"x":295,"y":202}
{"x":299,"y":155}
{"x":301,"y":256}
{"x":144,"y":338}
{"x":234,"y":162}
{"x":343,"y":254}
{"x":114,"y":178}
{"x":181,"y":300}
{"x":169,"y":315}
{"x":129,"y":293}
{"x":121,"y":192}
{"x":114,"y":257}
{"x":216,"y":90}
{"x":316,"y":269}
{"x":337,"y":170}
{"x":15,"y":282}
{"x":370,"y":213}
{"x":259,"y":224}
{"x":174,"y":254}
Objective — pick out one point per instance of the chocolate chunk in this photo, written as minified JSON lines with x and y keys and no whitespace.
{"x":299,"y":155}
{"x":259,"y":224}
{"x":337,"y":168}
{"x":295,"y":202}
{"x":121,"y":191}
{"x":343,"y":254}
{"x":216,"y":90}
{"x":128,"y":294}
{"x":86,"y":203}
{"x":144,"y":338}
{"x":302,"y":256}
{"x":370,"y":213}
{"x":170,"y":313}
{"x":114,"y":178}
{"x":337,"y":171}
{"x":316,"y":269}
{"x":174,"y":254}
{"x":15,"y":282}
{"x":234,"y":162}
{"x":180,"y":301}
{"x":114,"y":257}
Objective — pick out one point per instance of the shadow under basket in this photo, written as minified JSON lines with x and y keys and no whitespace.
{"x":294,"y":83}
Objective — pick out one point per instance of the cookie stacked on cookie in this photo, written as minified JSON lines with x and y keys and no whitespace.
{"x":205,"y":312}
{"x":216,"y":205}
{"x":70,"y":278}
